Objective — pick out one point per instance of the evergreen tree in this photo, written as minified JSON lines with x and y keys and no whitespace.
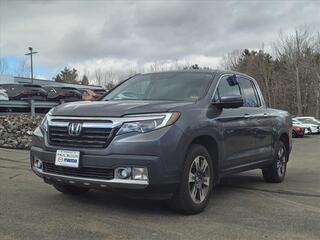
{"x":67,"y":75}
{"x":84,"y":80}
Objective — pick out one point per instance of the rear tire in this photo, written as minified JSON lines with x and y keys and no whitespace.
{"x":70,"y":190}
{"x":277,"y":171}
{"x":196,"y":184}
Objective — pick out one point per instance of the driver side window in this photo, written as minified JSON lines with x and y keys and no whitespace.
{"x":226,"y":88}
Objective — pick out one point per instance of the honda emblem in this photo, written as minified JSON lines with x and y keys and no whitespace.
{"x":74,"y":129}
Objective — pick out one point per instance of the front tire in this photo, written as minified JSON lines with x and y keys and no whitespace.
{"x":294,"y":134}
{"x":70,"y":190}
{"x":277,"y":171}
{"x":196,"y":184}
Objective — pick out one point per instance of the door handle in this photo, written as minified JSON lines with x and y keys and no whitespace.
{"x":265,"y":114}
{"x":246,"y":116}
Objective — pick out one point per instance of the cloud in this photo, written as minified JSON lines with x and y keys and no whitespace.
{"x":122,"y":68}
{"x":88,"y":33}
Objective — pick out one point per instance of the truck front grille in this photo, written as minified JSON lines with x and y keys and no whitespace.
{"x":89,"y":137}
{"x":83,"y":172}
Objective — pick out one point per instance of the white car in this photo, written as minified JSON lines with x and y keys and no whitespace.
{"x":311,"y":120}
{"x":309,"y":128}
{"x":3,"y":94}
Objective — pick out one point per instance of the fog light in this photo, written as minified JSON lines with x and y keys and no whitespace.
{"x":123,"y":173}
{"x":139,"y":173}
{"x":37,"y":163}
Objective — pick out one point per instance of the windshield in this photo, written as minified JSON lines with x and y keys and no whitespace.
{"x":163,"y":86}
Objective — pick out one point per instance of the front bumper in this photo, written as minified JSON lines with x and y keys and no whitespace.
{"x":95,"y":161}
{"x":160,"y":151}
{"x":300,"y":132}
{"x":90,"y":182}
{"x":315,"y":130}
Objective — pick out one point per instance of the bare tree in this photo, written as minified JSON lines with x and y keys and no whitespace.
{"x":316,"y":70}
{"x":231,"y":60}
{"x":291,"y":50}
{"x":98,"y":76}
{"x":265,"y":66}
{"x":109,"y":78}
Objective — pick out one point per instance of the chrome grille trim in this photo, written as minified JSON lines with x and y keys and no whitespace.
{"x":93,"y":135}
{"x":109,"y":122}
{"x":112,"y":123}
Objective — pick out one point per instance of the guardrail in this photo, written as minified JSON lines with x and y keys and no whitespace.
{"x":31,"y":105}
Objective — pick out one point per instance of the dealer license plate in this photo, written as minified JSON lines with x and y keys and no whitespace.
{"x":67,"y":158}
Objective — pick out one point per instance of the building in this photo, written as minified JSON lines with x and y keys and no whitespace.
{"x":22,"y":80}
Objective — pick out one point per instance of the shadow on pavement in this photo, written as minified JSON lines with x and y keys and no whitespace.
{"x":108,"y":200}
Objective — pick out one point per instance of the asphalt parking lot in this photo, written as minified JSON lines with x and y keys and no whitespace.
{"x":242,"y":207}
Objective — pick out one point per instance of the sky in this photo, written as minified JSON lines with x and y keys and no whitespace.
{"x":118,"y":35}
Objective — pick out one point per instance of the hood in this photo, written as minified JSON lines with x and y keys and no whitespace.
{"x":115,"y":108}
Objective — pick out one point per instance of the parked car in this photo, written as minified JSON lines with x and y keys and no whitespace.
{"x":3,"y":94}
{"x":25,"y":91}
{"x":297,"y":131}
{"x":67,"y":94}
{"x":89,"y":95}
{"x":312,"y":128}
{"x":100,"y":92}
{"x":169,"y":135}
{"x":310,"y":120}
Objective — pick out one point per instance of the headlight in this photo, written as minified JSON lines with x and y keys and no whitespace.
{"x":44,"y":122}
{"x":150,"y":123}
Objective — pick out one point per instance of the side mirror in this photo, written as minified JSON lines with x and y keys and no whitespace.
{"x":229,"y":102}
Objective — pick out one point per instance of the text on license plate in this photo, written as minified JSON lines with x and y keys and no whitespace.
{"x":67,"y":158}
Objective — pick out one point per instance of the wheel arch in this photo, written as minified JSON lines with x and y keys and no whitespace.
{"x":284,"y":137}
{"x":211,"y":145}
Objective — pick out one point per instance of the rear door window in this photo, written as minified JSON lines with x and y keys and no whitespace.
{"x":248,"y":92}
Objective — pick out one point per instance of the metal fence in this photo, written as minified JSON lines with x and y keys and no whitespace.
{"x":31,"y":106}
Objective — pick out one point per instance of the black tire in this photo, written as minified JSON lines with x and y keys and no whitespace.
{"x":70,"y":190}
{"x":277,"y":171}
{"x":294,"y":134}
{"x":200,"y":186}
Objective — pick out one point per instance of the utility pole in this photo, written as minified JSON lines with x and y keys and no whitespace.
{"x":31,"y":62}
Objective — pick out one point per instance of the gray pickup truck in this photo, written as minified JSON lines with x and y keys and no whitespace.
{"x":168,"y":135}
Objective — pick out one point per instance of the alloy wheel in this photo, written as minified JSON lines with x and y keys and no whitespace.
{"x":281,"y":161}
{"x":199,"y":179}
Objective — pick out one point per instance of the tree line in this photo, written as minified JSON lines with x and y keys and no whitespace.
{"x":290,"y":77}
